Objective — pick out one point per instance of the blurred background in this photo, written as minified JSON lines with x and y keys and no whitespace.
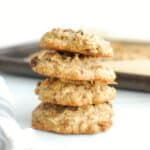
{"x":26,"y":20}
{"x":124,"y":23}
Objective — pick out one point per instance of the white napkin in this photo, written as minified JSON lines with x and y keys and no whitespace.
{"x":12,"y":137}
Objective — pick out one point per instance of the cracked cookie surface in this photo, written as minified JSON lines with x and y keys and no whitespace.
{"x":72,"y":120}
{"x":76,"y":42}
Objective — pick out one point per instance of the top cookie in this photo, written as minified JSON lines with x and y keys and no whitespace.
{"x":77,"y":42}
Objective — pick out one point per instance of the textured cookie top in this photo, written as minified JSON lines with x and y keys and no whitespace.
{"x":70,"y":66}
{"x":76,"y":42}
{"x":73,"y":93}
{"x":64,"y":119}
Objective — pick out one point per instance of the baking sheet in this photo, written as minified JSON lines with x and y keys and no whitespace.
{"x":13,"y":59}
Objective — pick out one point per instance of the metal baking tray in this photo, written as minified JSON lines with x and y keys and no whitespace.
{"x":13,"y":60}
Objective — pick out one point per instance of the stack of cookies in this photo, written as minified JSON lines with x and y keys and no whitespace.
{"x":76,"y":98}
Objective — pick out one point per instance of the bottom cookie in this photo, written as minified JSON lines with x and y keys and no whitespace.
{"x":72,"y":120}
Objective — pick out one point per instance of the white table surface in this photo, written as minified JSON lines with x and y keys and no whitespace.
{"x":130,"y":130}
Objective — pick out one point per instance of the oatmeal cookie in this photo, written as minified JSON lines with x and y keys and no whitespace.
{"x":72,"y":120}
{"x":74,"y":93}
{"x":76,"y":42}
{"x":70,"y":66}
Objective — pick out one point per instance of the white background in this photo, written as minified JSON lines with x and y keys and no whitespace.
{"x":22,"y":21}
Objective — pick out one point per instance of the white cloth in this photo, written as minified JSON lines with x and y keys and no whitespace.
{"x":12,"y":137}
